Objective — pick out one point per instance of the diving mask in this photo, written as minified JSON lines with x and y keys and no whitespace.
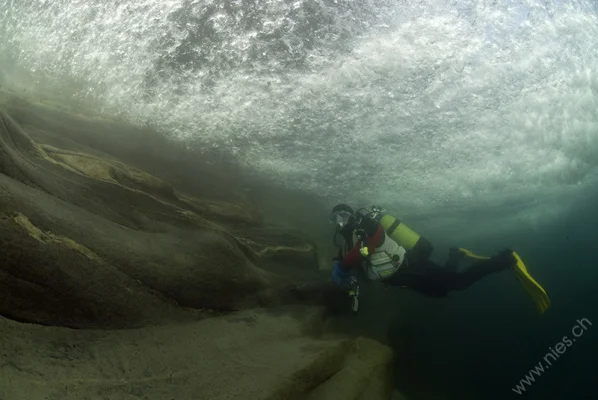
{"x":340,"y":218}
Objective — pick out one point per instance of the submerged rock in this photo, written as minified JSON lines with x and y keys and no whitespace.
{"x":249,"y":355}
{"x":89,"y":239}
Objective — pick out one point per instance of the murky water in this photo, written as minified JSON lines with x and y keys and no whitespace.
{"x":415,"y":105}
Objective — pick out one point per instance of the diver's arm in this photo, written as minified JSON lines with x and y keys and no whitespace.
{"x":354,"y":257}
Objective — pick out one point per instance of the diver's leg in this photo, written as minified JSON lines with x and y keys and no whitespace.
{"x":424,"y":277}
{"x":433,"y":280}
{"x":502,"y":261}
{"x":455,"y":256}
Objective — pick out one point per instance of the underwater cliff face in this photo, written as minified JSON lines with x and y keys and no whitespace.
{"x":117,"y":236}
{"x":90,"y":241}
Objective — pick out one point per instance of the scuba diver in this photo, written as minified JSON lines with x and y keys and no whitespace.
{"x":382,"y":248}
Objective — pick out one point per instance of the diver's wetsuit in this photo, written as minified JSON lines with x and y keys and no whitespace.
{"x":420,"y":274}
{"x":433,"y":280}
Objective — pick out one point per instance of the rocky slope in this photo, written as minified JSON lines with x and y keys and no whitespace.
{"x":132,"y":269}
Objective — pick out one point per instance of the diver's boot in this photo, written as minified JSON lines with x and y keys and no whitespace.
{"x":455,"y":256}
{"x":504,"y":260}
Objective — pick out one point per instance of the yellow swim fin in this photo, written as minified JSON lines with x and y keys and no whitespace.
{"x":472,"y":255}
{"x":534,"y":290}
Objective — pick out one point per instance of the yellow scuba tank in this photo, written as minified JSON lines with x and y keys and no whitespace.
{"x":418,"y":247}
{"x":405,"y":237}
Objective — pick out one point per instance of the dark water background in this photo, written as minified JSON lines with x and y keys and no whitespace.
{"x":480,"y":343}
{"x":484,"y":341}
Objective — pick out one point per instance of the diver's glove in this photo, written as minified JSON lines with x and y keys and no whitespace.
{"x":338,"y":275}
